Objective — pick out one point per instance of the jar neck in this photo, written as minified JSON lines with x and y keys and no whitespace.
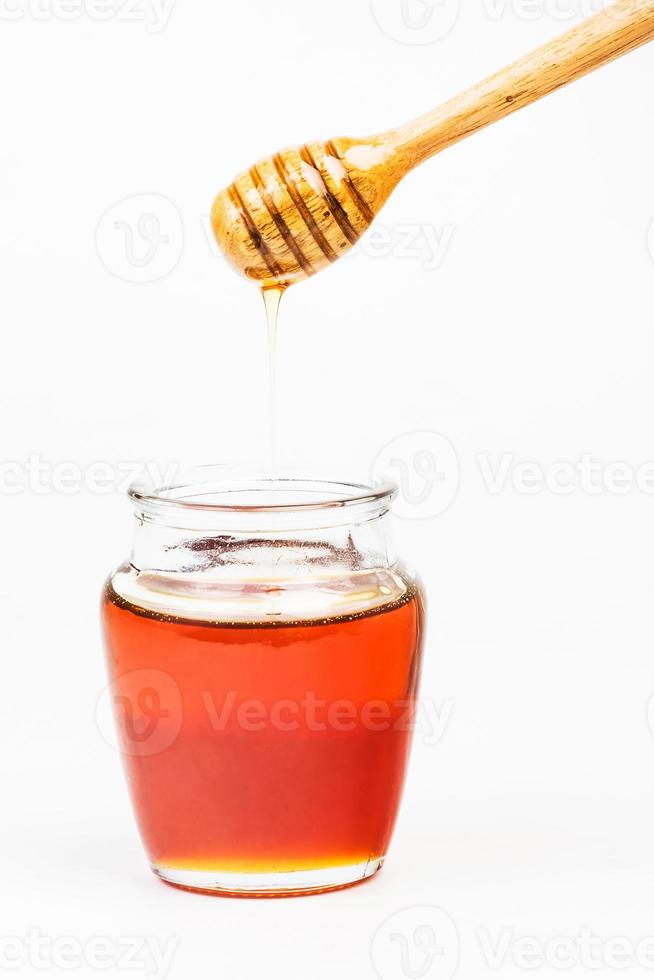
{"x":163,"y":546}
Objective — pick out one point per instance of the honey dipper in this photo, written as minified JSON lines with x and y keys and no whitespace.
{"x":296,"y":212}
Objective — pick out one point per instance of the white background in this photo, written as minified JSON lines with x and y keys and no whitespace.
{"x":528,"y":340}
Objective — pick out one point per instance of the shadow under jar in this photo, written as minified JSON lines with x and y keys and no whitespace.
{"x":264,"y":649}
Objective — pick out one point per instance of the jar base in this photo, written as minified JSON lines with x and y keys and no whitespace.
{"x":269,"y":885}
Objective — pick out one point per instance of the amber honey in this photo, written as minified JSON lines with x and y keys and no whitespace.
{"x":264,"y":748}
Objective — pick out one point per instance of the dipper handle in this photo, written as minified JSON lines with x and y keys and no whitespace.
{"x":623,"y":26}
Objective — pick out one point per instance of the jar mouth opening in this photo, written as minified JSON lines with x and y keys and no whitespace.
{"x":217,"y":490}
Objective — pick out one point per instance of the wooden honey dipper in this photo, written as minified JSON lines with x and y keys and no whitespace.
{"x":296,"y":212}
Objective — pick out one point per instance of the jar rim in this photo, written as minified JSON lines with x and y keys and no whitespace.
{"x":219,"y":489}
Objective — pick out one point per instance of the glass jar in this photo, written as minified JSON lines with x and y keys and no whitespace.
{"x":264,"y":648}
